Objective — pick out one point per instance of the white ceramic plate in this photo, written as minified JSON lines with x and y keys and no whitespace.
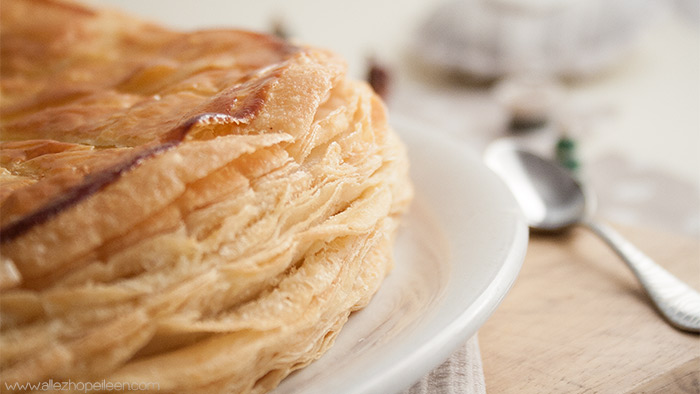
{"x":458,"y":253}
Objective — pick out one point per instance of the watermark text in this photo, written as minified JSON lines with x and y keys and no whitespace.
{"x":84,"y":387}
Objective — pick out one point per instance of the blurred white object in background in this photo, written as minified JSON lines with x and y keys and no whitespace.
{"x":492,"y":38}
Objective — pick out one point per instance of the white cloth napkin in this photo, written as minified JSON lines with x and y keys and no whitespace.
{"x":462,"y":373}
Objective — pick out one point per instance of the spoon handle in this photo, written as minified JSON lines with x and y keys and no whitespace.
{"x":678,"y":302}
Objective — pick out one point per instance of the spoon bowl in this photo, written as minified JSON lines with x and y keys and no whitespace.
{"x":552,"y":199}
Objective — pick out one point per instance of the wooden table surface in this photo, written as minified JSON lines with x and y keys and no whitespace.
{"x":576,"y":321}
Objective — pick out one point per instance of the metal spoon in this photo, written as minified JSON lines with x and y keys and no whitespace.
{"x":551,"y":199}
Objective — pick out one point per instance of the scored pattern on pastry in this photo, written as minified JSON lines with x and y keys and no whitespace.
{"x":198,"y":210}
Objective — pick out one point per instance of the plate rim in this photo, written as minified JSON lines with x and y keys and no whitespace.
{"x":430,"y":354}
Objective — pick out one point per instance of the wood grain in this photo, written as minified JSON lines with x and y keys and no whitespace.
{"x":577,"y":321}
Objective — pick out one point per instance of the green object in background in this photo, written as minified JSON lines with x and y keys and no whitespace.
{"x":566,"y":153}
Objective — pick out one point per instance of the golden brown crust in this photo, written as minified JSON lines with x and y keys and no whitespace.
{"x":123,"y":97}
{"x":219,"y":196}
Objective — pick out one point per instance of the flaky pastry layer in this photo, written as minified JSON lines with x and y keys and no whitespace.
{"x":199,"y":210}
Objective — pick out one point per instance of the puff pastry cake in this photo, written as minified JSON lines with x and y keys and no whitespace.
{"x":199,"y":210}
